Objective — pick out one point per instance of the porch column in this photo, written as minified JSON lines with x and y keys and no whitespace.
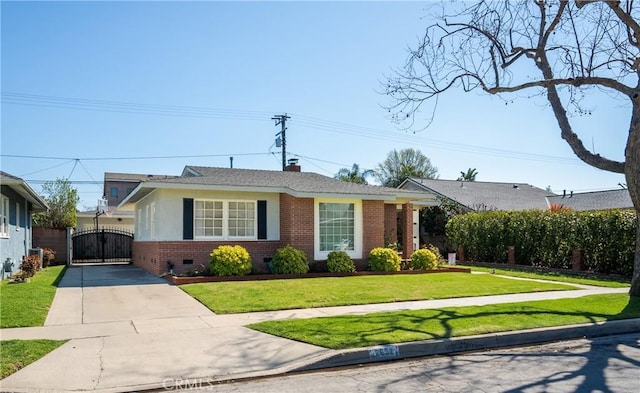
{"x":407,"y":230}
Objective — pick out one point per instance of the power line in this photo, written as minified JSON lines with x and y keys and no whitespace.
{"x":129,"y":158}
{"x":128,"y":107}
{"x":304,"y":121}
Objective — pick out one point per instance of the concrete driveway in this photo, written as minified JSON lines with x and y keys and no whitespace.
{"x":130,"y":331}
{"x":113,"y":293}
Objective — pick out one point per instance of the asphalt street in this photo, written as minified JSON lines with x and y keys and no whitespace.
{"x":607,"y":364}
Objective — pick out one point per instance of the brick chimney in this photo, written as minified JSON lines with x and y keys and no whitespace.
{"x":293,"y":165}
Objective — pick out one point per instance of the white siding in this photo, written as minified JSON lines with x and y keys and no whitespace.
{"x":168,"y":211}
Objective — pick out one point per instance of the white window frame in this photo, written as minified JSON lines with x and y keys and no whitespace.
{"x":17,"y":216}
{"x":356,"y":253}
{"x":226,"y":219}
{"x":4,"y":216}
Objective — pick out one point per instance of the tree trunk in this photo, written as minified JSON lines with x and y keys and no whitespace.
{"x":632,"y":174}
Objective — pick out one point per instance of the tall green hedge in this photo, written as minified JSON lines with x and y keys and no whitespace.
{"x":547,"y":239}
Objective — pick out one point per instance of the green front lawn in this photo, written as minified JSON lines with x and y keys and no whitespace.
{"x":27,"y":304}
{"x":18,"y":354}
{"x":353,"y":331}
{"x":611,"y":282}
{"x":251,"y":296}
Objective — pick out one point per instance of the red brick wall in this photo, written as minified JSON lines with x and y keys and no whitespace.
{"x":297,"y":223}
{"x":390,"y":224}
{"x":407,"y":230}
{"x":373,"y":226}
{"x":153,"y":256}
{"x":53,"y":238}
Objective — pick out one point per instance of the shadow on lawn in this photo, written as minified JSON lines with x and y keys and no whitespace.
{"x":451,"y":319}
{"x":602,"y":356}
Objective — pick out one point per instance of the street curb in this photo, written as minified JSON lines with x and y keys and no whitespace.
{"x":471,"y":343}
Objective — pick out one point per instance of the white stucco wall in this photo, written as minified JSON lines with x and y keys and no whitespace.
{"x":168,"y":216}
{"x":86,"y":223}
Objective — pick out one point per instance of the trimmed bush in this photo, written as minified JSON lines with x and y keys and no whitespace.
{"x":30,"y":265}
{"x":230,"y":261}
{"x":383,"y":260}
{"x":289,"y":260}
{"x":546,"y":239}
{"x":340,"y":262}
{"x":424,"y":259}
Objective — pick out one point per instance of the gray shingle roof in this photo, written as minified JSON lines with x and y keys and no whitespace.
{"x":485,"y":195}
{"x":597,"y":200}
{"x":301,"y":184}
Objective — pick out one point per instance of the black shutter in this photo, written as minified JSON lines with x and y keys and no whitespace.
{"x":262,"y":219}
{"x":187,"y":218}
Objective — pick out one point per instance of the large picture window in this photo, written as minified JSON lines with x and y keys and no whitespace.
{"x":225,"y":219}
{"x":337,"y":226}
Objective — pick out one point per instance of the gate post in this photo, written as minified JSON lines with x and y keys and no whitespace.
{"x":103,"y":240}
{"x":69,"y":246}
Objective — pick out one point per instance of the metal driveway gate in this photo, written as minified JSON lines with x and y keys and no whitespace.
{"x":102,"y":246}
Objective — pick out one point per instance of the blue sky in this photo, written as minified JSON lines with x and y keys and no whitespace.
{"x":102,"y":86}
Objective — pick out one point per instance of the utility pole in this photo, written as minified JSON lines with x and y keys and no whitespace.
{"x":282,"y":121}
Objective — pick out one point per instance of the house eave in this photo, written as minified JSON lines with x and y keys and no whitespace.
{"x":146,"y":188}
{"x":23,"y":189}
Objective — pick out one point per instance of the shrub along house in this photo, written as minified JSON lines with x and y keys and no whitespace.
{"x":179,"y":221}
{"x":18,"y":201}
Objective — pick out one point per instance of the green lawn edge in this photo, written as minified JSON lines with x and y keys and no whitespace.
{"x":18,"y":354}
{"x":357,"y":331}
{"x":566,"y":277}
{"x":27,"y":304}
{"x":272,"y":295}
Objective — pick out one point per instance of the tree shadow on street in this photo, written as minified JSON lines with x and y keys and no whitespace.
{"x":601,"y":359}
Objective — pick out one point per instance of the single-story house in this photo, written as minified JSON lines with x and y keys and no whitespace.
{"x":481,"y":196}
{"x":18,"y":202}
{"x":180,"y":220}
{"x":596,"y":200}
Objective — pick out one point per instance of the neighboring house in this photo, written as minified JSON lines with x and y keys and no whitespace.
{"x":180,"y":220}
{"x":116,"y":187}
{"x":479,"y":196}
{"x":597,"y":200}
{"x":18,"y":202}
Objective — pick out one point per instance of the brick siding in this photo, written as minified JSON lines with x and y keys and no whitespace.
{"x":407,"y":230}
{"x":153,"y":256}
{"x":297,"y":223}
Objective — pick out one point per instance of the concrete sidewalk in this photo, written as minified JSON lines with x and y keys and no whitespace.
{"x":132,"y":331}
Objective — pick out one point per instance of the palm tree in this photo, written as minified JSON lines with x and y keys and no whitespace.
{"x":469,"y":176}
{"x":354,"y":175}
